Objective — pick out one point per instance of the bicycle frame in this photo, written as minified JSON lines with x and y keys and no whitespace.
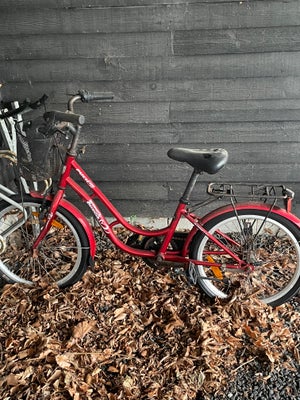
{"x":66,"y":180}
{"x":163,"y":254}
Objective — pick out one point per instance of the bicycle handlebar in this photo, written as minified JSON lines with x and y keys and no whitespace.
{"x":58,"y":116}
{"x":26,"y":105}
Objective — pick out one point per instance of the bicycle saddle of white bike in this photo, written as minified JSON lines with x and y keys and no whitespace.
{"x":202,"y":160}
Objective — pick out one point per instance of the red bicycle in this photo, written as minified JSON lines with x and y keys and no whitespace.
{"x":255,"y":242}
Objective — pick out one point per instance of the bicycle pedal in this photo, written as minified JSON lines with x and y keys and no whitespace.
{"x":192,"y":275}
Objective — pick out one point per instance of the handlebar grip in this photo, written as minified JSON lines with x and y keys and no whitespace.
{"x":86,"y":96}
{"x":58,"y":116}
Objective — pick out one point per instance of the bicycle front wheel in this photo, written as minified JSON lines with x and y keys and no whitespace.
{"x":267,"y":241}
{"x":62,"y":257}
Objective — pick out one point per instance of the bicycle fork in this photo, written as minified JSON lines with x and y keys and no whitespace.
{"x":49,"y":220}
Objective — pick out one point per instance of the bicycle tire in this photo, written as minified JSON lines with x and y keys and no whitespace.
{"x":272,"y":244}
{"x":63,"y":255}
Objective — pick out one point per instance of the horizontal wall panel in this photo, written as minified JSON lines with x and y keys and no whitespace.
{"x":46,"y":4}
{"x":283,"y":153}
{"x":123,"y":113}
{"x":237,"y":40}
{"x":135,"y":190}
{"x":197,"y":90}
{"x":204,"y":111}
{"x":84,"y":46}
{"x":209,"y":89}
{"x":248,"y":171}
{"x":155,"y":17}
{"x":222,"y":111}
{"x":184,"y":90}
{"x":188,"y":112}
{"x":130,"y":172}
{"x":88,"y":71}
{"x":192,"y":133}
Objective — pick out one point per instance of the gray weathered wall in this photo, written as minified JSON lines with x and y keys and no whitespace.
{"x":184,"y":73}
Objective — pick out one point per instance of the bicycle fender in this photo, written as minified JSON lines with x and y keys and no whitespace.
{"x":80,"y":217}
{"x":256,"y":206}
{"x":240,"y":206}
{"x":84,"y":222}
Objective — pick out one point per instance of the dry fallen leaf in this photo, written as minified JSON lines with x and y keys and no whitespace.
{"x":12,"y":380}
{"x":83,"y":328}
{"x":64,"y":361}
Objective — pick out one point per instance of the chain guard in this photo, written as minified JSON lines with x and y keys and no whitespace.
{"x":154,"y":243}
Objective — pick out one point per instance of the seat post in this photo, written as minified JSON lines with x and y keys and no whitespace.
{"x":185,"y":199}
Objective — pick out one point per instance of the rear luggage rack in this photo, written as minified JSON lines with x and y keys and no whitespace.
{"x":254,"y":191}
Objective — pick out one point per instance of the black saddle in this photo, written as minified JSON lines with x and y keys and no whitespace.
{"x":202,"y":160}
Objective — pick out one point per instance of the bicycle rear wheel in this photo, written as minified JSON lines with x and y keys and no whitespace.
{"x":267,"y":241}
{"x":61,"y":258}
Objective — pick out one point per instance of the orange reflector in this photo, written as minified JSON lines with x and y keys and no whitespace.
{"x":216,"y":270}
{"x":54,"y":223}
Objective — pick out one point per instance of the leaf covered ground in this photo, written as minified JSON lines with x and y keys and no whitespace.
{"x":128,"y":331}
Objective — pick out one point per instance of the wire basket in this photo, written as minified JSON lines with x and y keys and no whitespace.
{"x":40,"y":153}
